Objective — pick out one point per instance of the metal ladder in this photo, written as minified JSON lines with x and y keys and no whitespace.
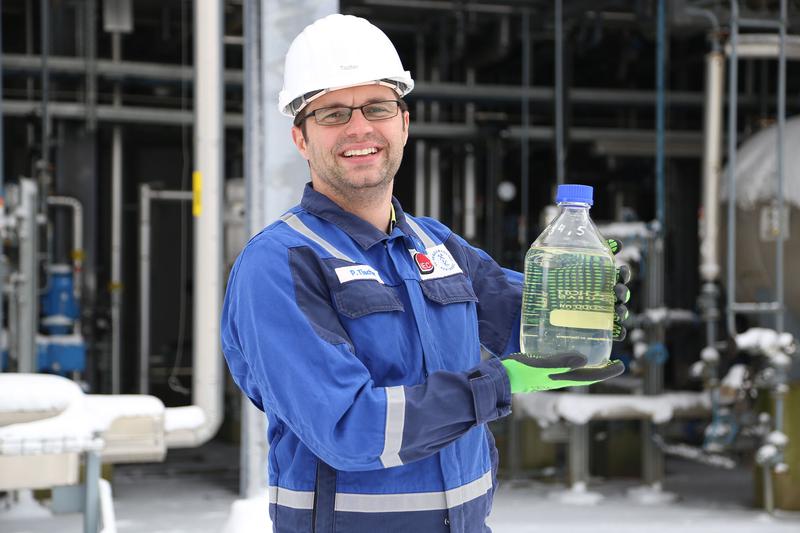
{"x":760,"y":46}
{"x":776,"y":307}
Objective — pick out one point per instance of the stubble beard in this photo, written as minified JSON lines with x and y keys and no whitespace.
{"x":361,"y":188}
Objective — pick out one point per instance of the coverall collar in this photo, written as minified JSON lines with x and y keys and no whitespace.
{"x":361,"y":231}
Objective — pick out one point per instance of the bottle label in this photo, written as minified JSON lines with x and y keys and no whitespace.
{"x":581,"y":319}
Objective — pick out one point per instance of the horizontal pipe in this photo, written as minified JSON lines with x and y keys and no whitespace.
{"x":757,"y":307}
{"x":114,"y":70}
{"x":110,"y":113}
{"x":169,"y":195}
{"x":122,"y":70}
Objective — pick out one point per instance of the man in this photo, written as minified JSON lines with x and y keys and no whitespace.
{"x":358,"y":329}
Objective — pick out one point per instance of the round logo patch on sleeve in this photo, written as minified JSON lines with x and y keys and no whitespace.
{"x":424,"y":264}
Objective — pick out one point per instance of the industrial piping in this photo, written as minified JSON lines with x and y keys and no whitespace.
{"x":207,"y":210}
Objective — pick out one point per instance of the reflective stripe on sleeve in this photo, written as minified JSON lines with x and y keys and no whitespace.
{"x":395,"y":419}
{"x":294,"y":222}
{"x":388,"y":503}
{"x":424,"y":237}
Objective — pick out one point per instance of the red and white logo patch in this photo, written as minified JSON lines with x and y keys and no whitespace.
{"x":424,"y":264}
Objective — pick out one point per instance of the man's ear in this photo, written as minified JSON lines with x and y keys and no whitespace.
{"x":300,"y":141}
{"x":406,"y":120}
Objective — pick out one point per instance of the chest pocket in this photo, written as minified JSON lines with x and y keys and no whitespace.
{"x":449,"y":290}
{"x":355,"y":299}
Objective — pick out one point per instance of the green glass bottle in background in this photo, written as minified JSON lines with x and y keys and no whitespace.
{"x":568,"y":295}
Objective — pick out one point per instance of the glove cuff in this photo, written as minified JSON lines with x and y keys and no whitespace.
{"x":491,"y":390}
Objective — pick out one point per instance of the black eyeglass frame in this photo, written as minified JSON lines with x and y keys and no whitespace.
{"x":401,"y":106}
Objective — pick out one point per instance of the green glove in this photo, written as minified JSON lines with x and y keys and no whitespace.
{"x":531,"y":373}
{"x":621,"y":293}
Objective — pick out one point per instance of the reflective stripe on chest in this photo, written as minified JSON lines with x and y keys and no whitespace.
{"x":436,"y":262}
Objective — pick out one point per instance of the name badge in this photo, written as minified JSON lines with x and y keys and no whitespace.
{"x":357,"y":272}
{"x":439,"y":264}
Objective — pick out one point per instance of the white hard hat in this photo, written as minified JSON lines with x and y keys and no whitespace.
{"x":335,"y":52}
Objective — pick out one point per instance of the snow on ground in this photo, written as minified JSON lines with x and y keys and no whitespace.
{"x":195,"y":490}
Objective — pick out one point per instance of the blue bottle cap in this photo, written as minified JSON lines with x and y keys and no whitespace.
{"x":571,"y":193}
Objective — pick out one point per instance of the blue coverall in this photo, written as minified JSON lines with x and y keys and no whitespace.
{"x":364,"y":351}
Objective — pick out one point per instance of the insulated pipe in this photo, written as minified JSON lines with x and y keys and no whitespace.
{"x":712,"y":169}
{"x":27,"y":290}
{"x":712,"y":159}
{"x":77,"y":237}
{"x":207,"y":210}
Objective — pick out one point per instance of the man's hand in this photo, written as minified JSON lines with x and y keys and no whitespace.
{"x":531,"y":373}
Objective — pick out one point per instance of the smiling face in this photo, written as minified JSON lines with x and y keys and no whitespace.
{"x":357,"y":161}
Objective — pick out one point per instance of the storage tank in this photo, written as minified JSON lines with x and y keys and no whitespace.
{"x":757,"y":222}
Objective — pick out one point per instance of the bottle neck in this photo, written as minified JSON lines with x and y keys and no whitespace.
{"x":576,"y":210}
{"x":574,"y":205}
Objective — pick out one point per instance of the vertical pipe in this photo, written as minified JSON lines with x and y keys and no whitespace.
{"x":660,"y":45}
{"x":470,"y":184}
{"x":116,"y":258}
{"x":91,"y":64}
{"x":44,"y":28}
{"x":779,"y":390}
{"x":733,"y":62}
{"x":252,"y":455}
{"x":2,"y":185}
{"x":28,"y":289}
{"x":31,"y":133}
{"x":492,"y":165}
{"x":91,"y":509}
{"x":524,"y":140}
{"x":144,"y":288}
{"x":712,"y":155}
{"x":116,"y":232}
{"x":469,"y":169}
{"x":559,"y":82}
{"x":779,"y":281}
{"x":207,"y":210}
{"x":435,"y":184}
{"x":419,"y":145}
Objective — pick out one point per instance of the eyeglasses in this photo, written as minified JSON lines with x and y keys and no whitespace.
{"x":335,"y":116}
